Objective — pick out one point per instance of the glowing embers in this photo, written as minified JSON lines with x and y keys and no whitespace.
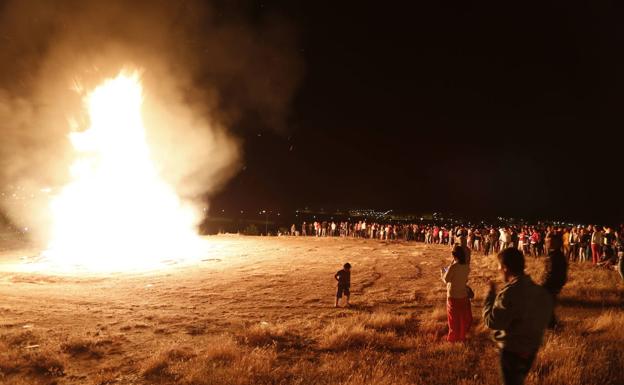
{"x":117,"y":213}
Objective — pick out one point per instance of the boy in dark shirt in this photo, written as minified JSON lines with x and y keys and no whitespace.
{"x":344,"y":283}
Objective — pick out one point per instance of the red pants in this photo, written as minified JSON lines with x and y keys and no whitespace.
{"x":459,"y":313}
{"x":596,"y":253}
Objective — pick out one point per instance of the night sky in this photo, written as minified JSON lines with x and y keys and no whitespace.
{"x":476,"y":108}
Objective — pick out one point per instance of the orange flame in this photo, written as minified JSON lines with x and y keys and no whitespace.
{"x":117,"y":213}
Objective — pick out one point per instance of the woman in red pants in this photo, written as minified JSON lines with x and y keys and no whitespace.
{"x":458,"y":308}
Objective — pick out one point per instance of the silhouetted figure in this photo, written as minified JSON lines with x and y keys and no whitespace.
{"x":344,"y":283}
{"x":555,"y":271}
{"x":519,"y":314}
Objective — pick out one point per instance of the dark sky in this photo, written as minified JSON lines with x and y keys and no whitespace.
{"x":474,"y":107}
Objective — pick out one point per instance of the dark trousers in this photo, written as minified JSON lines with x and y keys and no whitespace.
{"x":515,"y":367}
{"x":572,"y":252}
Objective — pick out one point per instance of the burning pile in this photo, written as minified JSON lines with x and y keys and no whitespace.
{"x":117,"y":212}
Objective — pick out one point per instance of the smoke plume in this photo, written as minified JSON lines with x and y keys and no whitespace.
{"x":203,"y":68}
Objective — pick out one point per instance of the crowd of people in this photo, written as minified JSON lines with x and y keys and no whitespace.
{"x":602,"y":245}
{"x":518,"y":314}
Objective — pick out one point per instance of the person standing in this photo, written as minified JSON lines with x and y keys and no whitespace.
{"x":585,"y":241}
{"x":505,"y":238}
{"x":458,"y":307}
{"x":477,"y":240}
{"x":343,"y":278}
{"x":547,"y":238}
{"x":573,"y":241}
{"x":494,"y":240}
{"x":462,"y":234}
{"x":487,"y":243}
{"x":534,"y":240}
{"x":596,"y":245}
{"x":555,"y":272}
{"x":608,"y":239}
{"x":514,"y":237}
{"x":519,"y":315}
{"x":566,"y":242}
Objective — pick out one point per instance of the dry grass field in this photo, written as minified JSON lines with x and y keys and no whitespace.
{"x":260,"y":311}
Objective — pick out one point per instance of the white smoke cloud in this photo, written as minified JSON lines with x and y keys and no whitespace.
{"x":201,"y":71}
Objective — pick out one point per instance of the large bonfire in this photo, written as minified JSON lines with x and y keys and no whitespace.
{"x":117,"y":212}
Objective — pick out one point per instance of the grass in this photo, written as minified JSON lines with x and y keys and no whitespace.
{"x":270,"y":320}
{"x":221,"y":361}
{"x":19,"y":364}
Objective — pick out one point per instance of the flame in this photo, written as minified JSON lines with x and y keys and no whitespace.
{"x":117,"y":213}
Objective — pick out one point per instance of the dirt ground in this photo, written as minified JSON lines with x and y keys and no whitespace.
{"x":260,"y":310}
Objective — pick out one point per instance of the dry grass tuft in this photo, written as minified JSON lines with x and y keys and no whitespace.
{"x":397,"y":323}
{"x":105,"y":377}
{"x":38,"y":363}
{"x":93,"y":348}
{"x":433,"y":325}
{"x":438,"y":314}
{"x":83,"y":348}
{"x":608,"y":321}
{"x":352,"y":335}
{"x":223,"y":361}
{"x":222,"y":350}
{"x":257,"y":366}
{"x":378,"y":370}
{"x":265,"y":335}
{"x":20,"y":339}
{"x":162,"y":366}
{"x":8,"y":360}
{"x":569,"y":359}
{"x":45,"y":363}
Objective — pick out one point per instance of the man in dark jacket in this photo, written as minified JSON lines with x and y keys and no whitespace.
{"x":519,"y":315}
{"x":555,"y":271}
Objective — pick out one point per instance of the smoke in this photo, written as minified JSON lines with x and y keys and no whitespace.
{"x":203,"y":67}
